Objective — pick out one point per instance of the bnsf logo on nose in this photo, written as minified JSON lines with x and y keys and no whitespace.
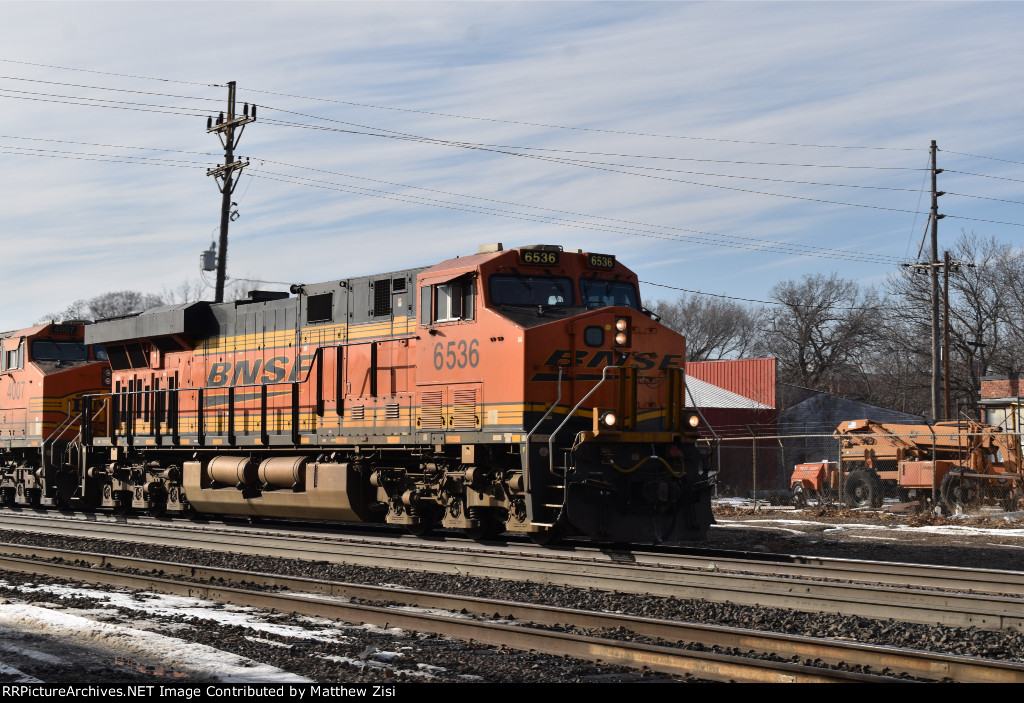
{"x":247,"y":372}
{"x":592,"y":360}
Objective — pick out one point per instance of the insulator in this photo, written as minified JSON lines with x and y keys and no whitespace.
{"x":220,"y":118}
{"x":254,"y":112}
{"x":209,"y":123}
{"x":245,"y":109}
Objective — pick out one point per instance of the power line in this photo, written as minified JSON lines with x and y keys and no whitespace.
{"x":100,"y":87}
{"x":122,"y":105}
{"x":466,"y":117}
{"x":876,"y":258}
{"x":982,"y":175}
{"x":756,"y":245}
{"x":976,"y":156}
{"x":754,"y":300}
{"x":395,"y":134}
{"x":465,"y":145}
{"x":756,"y":242}
{"x":110,"y":73}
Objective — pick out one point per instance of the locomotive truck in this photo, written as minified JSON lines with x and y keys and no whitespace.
{"x":524,"y":390}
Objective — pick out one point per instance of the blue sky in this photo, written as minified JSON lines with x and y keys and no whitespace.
{"x":719,"y":147}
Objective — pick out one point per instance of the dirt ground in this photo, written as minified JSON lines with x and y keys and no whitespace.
{"x":987,"y":539}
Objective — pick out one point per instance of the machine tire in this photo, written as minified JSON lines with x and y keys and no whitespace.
{"x":864,"y":489}
{"x":799,"y":496}
{"x":957,"y":492}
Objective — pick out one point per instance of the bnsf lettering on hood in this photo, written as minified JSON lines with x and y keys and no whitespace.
{"x":250,"y":372}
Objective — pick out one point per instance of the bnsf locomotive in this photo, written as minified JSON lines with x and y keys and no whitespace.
{"x":45,"y":372}
{"x":520,"y":390}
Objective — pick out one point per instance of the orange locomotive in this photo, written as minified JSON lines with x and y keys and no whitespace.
{"x":522,"y":390}
{"x":44,"y":373}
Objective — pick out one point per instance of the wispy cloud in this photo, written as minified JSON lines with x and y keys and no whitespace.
{"x":748,"y":80}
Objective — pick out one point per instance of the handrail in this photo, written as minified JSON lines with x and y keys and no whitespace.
{"x":526,"y":442}
{"x":317,"y":354}
{"x":568,"y":416}
{"x":304,"y":379}
{"x":59,"y":430}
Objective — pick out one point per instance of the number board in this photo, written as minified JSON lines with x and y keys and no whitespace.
{"x":532,"y":257}
{"x":601,"y":261}
{"x":63,"y":329}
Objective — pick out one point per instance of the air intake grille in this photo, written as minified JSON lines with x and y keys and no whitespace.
{"x":432,"y":410}
{"x":464,"y":410}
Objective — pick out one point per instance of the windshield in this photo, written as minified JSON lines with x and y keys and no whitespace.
{"x":600,"y":294}
{"x":531,"y":290}
{"x":43,"y":350}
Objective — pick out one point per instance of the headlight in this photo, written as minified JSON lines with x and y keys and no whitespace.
{"x":608,"y":419}
{"x":693,"y":420}
{"x":622,"y":332}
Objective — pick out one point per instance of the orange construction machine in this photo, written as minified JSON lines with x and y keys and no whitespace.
{"x":957,"y":462}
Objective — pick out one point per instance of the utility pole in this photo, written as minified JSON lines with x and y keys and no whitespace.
{"x":934,"y":271}
{"x":932,"y":268}
{"x":946,"y":264}
{"x":225,"y":129}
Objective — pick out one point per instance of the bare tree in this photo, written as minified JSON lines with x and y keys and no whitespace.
{"x":823,"y":330}
{"x":714,"y":329}
{"x":985,"y":308}
{"x":112,"y":304}
{"x":190,"y":290}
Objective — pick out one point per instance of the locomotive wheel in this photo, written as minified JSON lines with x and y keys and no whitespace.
{"x":484,"y":525}
{"x":864,"y":489}
{"x":426,"y":520}
{"x":156,"y":506}
{"x":122,"y":502}
{"x":957,"y":490}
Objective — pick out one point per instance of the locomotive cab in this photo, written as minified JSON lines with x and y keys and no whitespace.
{"x":580,"y":425}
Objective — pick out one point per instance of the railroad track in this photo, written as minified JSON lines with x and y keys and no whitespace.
{"x":767,"y":657}
{"x":864,"y":590}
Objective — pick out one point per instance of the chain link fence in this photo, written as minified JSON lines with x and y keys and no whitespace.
{"x":868,"y":466}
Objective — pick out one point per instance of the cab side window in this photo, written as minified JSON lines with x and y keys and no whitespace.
{"x":14,"y":358}
{"x":448,"y":302}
